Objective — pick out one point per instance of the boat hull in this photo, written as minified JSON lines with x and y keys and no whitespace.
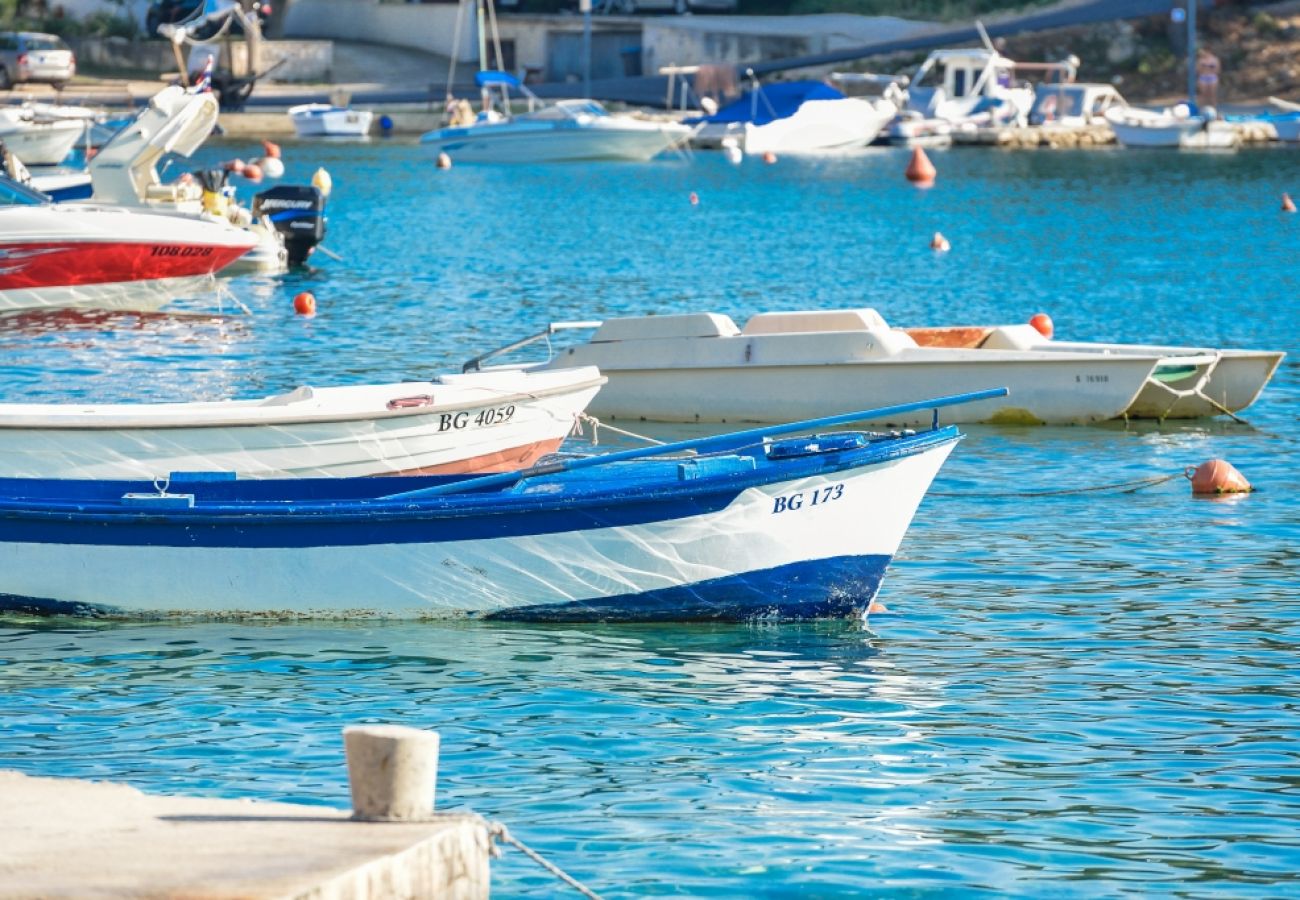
{"x":107,"y":257}
{"x":820,"y":126}
{"x":1050,"y":391}
{"x":561,"y":141}
{"x":473,"y":424}
{"x":1138,"y":128}
{"x":43,"y":144}
{"x":815,"y":544}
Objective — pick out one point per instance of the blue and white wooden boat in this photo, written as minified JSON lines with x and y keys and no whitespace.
{"x":752,"y":524}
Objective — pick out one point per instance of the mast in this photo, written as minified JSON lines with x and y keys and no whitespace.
{"x":1191,"y":52}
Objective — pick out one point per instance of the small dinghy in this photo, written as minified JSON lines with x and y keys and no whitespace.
{"x":493,"y":422}
{"x":324,"y":120}
{"x":755,"y":524}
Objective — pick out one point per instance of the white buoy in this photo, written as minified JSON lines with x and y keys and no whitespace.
{"x":393,"y":772}
{"x":732,"y":151}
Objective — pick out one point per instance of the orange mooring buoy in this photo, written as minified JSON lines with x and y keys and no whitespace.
{"x":1042,"y":323}
{"x":305,"y":304}
{"x":939,"y":243}
{"x":694,"y":198}
{"x":769,"y":157}
{"x":1217,"y":477}
{"x":1288,"y":205}
{"x":270,"y":150}
{"x":920,"y":171}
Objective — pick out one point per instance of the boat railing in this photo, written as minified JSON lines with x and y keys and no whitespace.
{"x":475,"y":364}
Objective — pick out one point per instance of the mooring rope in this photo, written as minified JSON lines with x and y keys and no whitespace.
{"x":1123,"y":487}
{"x":596,"y":425}
{"x":499,"y":831}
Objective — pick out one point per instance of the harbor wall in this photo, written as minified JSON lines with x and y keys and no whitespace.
{"x":302,"y":60}
{"x":420,"y":26}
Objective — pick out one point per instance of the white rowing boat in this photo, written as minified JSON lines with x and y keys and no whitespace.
{"x":488,"y":422}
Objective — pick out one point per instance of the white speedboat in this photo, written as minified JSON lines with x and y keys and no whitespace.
{"x":104,"y":257}
{"x":784,"y":366}
{"x":795,"y":117}
{"x":324,"y":120}
{"x":490,"y":422}
{"x":568,"y":131}
{"x":962,"y":88}
{"x":1176,"y":127}
{"x":177,"y":121}
{"x":38,"y":141}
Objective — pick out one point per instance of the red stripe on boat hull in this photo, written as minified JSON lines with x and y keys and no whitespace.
{"x":507,"y":460}
{"x":45,"y":264}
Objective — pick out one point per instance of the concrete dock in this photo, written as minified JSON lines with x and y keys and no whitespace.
{"x":69,"y":838}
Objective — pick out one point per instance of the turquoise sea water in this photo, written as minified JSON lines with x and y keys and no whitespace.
{"x":1081,"y":695}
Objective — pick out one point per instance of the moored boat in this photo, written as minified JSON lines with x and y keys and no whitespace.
{"x":36,"y":140}
{"x":454,"y":424}
{"x":568,"y":131}
{"x":1177,"y":127}
{"x":741,"y":526}
{"x":324,"y":120}
{"x":104,"y":257}
{"x":791,"y":365}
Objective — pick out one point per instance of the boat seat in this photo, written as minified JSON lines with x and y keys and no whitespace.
{"x":1014,"y":337}
{"x":643,"y":328}
{"x":954,"y":337}
{"x":864,"y":319}
{"x":172,"y":193}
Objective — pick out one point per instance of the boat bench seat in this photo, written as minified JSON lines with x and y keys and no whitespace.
{"x":645,"y":328}
{"x":864,"y":319}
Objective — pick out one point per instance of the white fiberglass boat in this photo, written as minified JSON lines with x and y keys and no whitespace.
{"x":1176,"y":127}
{"x":324,"y":120}
{"x":38,"y":141}
{"x":177,"y":121}
{"x":785,"y":366}
{"x":498,"y":421}
{"x":568,"y":131}
{"x":104,"y":257}
{"x":796,"y":117}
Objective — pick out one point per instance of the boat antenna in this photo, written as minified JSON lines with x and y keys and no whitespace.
{"x":1191,"y":54}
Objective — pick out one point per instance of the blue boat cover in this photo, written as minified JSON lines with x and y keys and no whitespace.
{"x":775,"y":101}
{"x":489,"y":77}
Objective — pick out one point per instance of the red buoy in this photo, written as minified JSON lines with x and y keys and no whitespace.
{"x":769,"y":157}
{"x":1217,"y":477}
{"x":920,"y":171}
{"x":252,"y":171}
{"x":1288,"y":205}
{"x":270,"y":150}
{"x":695,"y":199}
{"x":939,"y":243}
{"x":1042,"y":323}
{"x":305,"y":304}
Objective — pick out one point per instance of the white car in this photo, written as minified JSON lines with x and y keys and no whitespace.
{"x":31,"y":56}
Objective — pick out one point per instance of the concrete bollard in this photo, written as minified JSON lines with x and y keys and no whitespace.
{"x":393,"y":772}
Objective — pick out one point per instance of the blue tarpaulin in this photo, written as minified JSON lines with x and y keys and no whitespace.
{"x":775,"y":101}
{"x":489,"y":77}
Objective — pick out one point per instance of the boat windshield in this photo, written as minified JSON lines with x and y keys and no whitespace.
{"x":14,"y":194}
{"x":577,"y":108}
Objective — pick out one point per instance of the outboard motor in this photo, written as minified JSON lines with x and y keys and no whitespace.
{"x":297,"y":212}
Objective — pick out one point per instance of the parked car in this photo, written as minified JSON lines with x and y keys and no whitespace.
{"x":31,"y":56}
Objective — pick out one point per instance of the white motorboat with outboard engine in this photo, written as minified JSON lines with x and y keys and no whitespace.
{"x":324,"y":120}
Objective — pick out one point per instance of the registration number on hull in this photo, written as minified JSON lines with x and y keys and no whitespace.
{"x":493,"y":415}
{"x":815,"y":497}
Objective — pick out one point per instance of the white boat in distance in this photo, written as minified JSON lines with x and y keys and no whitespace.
{"x":796,"y":117}
{"x":455,"y":424}
{"x":324,"y":120}
{"x":791,"y":365}
{"x":1177,"y":127}
{"x":37,"y":140}
{"x":568,"y":131}
{"x":104,"y":257}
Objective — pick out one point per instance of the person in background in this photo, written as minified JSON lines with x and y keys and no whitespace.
{"x":1207,"y":79}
